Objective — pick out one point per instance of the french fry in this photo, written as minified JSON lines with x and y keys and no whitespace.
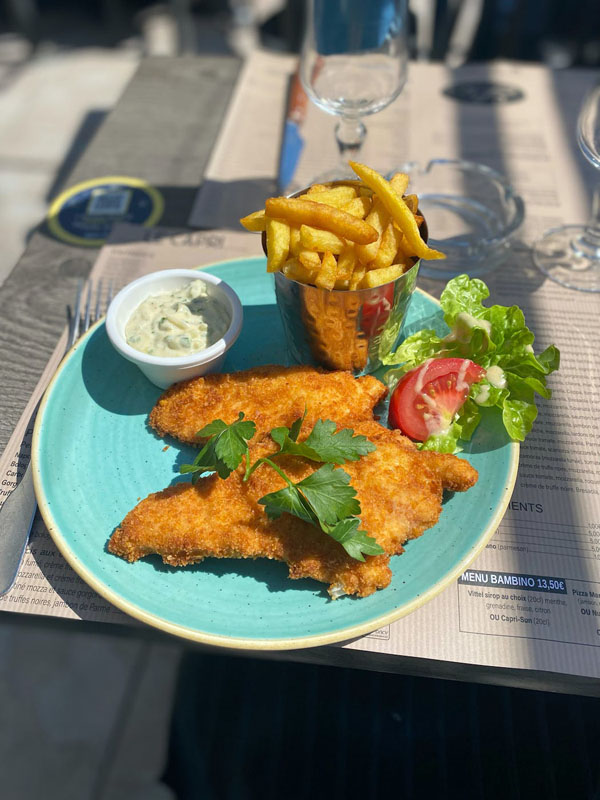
{"x":323,"y":187}
{"x":377,"y":277}
{"x":342,"y":285}
{"x":398,"y":210}
{"x":378,"y":218}
{"x":344,"y":235}
{"x":346,"y":264}
{"x":399,"y":183}
{"x":406,"y":262}
{"x":357,"y":276}
{"x":315,"y":239}
{"x":309,"y":259}
{"x":405,"y":252}
{"x":358,"y":207}
{"x":336,"y":197}
{"x":327,"y":274}
{"x":296,"y":271}
{"x":278,"y":244}
{"x":412,"y":201}
{"x":255,"y":222}
{"x":387,"y":249}
{"x":295,"y":243}
{"x":318,"y":215}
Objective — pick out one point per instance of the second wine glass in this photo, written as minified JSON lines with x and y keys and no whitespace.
{"x":570,"y":254}
{"x":354,"y":62}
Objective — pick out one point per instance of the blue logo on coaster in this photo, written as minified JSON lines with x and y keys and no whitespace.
{"x":85,"y":214}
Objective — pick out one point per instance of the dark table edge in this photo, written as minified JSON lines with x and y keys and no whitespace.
{"x":332,"y":656}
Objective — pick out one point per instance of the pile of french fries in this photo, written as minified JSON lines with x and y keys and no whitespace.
{"x":354,"y":234}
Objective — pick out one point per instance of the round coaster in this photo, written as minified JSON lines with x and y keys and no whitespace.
{"x":85,"y":213}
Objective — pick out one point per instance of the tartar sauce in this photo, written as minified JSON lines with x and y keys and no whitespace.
{"x":177,"y":323}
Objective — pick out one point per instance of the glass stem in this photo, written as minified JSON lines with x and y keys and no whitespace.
{"x":588,"y":244}
{"x":350,"y":134}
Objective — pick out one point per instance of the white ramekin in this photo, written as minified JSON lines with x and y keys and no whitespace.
{"x":163,"y":371}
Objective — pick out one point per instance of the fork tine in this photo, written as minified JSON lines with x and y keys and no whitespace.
{"x":98,"y":301}
{"x":88,"y":308}
{"x":76,"y":318}
{"x":109,"y":294}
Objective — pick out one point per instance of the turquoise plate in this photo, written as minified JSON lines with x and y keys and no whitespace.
{"x":94,"y":457}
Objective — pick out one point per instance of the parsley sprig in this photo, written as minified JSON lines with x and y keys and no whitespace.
{"x":325,"y":499}
{"x":225,"y":448}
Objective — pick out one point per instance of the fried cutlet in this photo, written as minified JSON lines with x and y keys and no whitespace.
{"x":271,"y":396}
{"x":400,"y":490}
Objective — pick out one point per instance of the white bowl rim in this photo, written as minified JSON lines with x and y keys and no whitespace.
{"x":199,"y":356}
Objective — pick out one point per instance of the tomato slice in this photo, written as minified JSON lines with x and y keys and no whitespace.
{"x":428,"y":397}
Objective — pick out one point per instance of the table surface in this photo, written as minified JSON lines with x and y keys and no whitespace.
{"x":162,"y":130}
{"x":159,"y":131}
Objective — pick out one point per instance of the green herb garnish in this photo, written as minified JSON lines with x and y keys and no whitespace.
{"x":325,"y":499}
{"x":225,"y":448}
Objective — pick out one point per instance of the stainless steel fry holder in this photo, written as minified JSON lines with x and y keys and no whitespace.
{"x":349,"y":330}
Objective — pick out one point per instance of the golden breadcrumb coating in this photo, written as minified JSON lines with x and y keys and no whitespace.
{"x":271,"y":396}
{"x":400,"y":490}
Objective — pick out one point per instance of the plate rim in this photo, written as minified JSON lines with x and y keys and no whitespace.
{"x":244,"y":643}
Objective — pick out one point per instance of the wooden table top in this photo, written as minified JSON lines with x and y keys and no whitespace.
{"x":162,"y":130}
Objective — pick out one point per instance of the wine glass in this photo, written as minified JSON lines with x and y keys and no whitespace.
{"x":570,"y":255}
{"x":354,"y":62}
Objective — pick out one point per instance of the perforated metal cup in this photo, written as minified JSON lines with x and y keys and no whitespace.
{"x":350,"y":330}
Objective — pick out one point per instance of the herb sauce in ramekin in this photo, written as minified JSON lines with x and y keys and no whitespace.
{"x":177,"y":323}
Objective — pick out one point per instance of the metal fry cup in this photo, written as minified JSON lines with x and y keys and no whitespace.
{"x":349,"y":330}
{"x":352,"y":329}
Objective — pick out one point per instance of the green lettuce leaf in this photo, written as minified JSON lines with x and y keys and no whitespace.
{"x":491,"y":336}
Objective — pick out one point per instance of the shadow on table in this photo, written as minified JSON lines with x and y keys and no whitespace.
{"x":251,"y":728}
{"x":222,"y":203}
{"x":88,"y":128}
{"x":217,"y":205}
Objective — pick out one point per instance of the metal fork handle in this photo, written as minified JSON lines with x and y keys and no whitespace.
{"x":16,"y":519}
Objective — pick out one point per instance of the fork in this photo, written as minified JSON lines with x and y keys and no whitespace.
{"x":18,"y":512}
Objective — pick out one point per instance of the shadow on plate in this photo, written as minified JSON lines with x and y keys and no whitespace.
{"x":490,"y":434}
{"x":119,"y":387}
{"x":273,"y":574}
{"x":112,"y":382}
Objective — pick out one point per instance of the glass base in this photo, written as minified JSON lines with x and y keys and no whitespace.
{"x":559,"y":255}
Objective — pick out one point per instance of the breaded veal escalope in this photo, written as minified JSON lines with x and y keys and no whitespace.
{"x":271,"y":396}
{"x":399,"y":488}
